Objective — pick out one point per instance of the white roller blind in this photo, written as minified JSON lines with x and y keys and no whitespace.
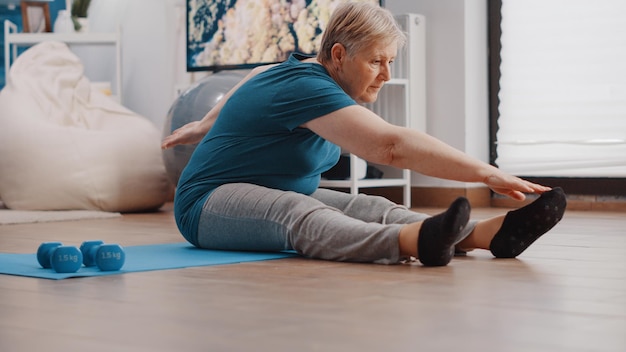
{"x":563,"y":88}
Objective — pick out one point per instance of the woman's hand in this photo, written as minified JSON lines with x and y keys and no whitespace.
{"x":513,"y":186}
{"x":190,"y":133}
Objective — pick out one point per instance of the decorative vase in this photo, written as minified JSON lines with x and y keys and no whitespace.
{"x":63,"y":23}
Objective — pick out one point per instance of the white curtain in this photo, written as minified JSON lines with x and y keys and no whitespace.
{"x":563,"y":88}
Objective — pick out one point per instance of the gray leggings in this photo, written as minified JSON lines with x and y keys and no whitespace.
{"x":328,"y":224}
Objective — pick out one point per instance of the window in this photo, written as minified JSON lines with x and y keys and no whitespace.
{"x":562,"y":88}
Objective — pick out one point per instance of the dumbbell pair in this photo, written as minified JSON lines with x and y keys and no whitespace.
{"x":68,"y":259}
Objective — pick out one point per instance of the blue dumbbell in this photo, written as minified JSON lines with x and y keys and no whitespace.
{"x":63,"y":259}
{"x":108,"y":257}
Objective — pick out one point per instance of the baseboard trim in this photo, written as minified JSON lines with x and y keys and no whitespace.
{"x":478,"y":197}
{"x":434,"y":196}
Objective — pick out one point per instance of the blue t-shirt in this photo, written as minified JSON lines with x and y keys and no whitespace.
{"x":256,"y":138}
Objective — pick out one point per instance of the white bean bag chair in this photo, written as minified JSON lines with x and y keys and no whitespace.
{"x":67,"y":146}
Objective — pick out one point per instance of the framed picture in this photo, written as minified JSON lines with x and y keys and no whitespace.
{"x":237,"y":34}
{"x":35,"y":16}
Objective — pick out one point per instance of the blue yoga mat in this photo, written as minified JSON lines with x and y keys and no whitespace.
{"x":139,"y":258}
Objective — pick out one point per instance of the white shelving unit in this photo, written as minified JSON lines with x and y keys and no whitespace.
{"x":402,"y":101}
{"x":13,"y":39}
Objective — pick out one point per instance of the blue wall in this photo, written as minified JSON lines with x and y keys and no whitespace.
{"x":14,"y":14}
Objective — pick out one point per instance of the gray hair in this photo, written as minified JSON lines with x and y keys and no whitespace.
{"x":356,"y":25}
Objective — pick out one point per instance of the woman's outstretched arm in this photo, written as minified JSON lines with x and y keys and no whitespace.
{"x":362,"y":132}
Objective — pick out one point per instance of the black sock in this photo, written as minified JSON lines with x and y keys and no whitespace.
{"x":439,"y":233}
{"x":524,"y":226}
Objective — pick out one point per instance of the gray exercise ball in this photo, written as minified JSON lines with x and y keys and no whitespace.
{"x":190,"y":106}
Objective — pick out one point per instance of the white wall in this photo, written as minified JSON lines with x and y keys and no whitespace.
{"x":153,"y":51}
{"x":457,"y":75}
{"x":153,"y":35}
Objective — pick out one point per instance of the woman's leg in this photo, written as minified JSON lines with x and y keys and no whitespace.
{"x":383,"y":211}
{"x":506,"y":236}
{"x":250,"y":217}
{"x":368,"y":208}
{"x":373,"y":208}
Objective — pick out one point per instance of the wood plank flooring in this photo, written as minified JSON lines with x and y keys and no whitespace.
{"x":565,"y":293}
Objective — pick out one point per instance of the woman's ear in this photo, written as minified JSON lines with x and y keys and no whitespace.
{"x":338,"y":53}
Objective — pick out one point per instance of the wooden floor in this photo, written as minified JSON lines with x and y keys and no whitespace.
{"x":565,"y":293}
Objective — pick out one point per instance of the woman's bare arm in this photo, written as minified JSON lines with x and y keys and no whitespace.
{"x":360,"y":131}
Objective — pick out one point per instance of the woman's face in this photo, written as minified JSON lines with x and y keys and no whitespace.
{"x":363,"y":74}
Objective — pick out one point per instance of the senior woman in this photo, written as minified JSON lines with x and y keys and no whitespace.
{"x":252,"y":182}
